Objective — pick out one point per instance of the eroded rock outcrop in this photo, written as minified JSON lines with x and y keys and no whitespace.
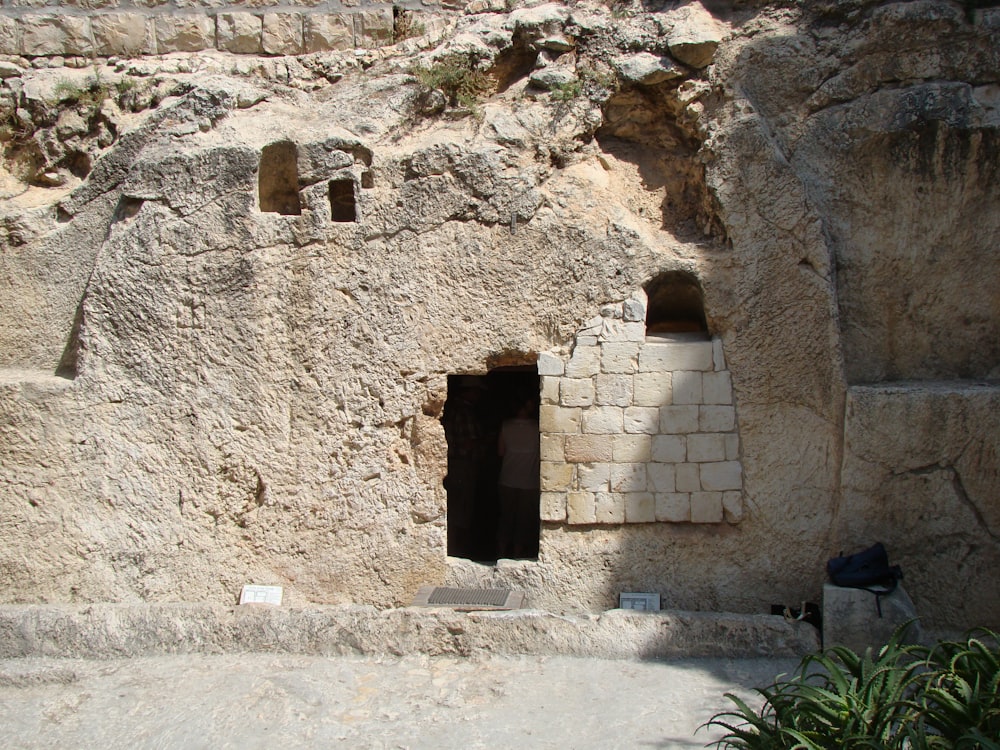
{"x":254,"y":277}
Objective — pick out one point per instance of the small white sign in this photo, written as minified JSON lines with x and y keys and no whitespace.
{"x":261,"y":595}
{"x":639,"y":602}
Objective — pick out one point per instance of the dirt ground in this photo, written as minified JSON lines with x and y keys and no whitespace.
{"x":289,"y":701}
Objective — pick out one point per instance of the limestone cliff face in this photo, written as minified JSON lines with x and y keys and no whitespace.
{"x":236,"y":288}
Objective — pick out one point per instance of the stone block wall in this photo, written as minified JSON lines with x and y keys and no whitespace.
{"x":101,"y":28}
{"x":638,"y":429}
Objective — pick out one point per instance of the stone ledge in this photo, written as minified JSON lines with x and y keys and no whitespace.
{"x":105,"y":631}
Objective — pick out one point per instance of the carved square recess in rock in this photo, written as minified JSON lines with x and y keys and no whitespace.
{"x":342,"y":207}
{"x":278,"y":179}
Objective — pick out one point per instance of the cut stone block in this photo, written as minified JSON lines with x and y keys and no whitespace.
{"x":549,"y":364}
{"x":56,"y":35}
{"x":671,"y":449}
{"x":581,"y":508}
{"x":553,"y":506}
{"x":558,"y":419}
{"x":706,"y":507}
{"x":716,"y":418}
{"x":732,"y":447}
{"x":688,"y":478}
{"x":668,"y":356}
{"x":652,"y":388}
{"x":732,"y":506}
{"x":643,"y":420}
{"x":628,"y":477}
{"x":717,"y":388}
{"x":550,"y":390}
{"x":324,"y":32}
{"x":593,"y":477}
{"x":555,"y":477}
{"x":576,"y":392}
{"x":282,"y":34}
{"x":373,"y":27}
{"x":123,"y":34}
{"x":673,"y":507}
{"x":662,"y":477}
{"x":10,"y":36}
{"x":678,"y":420}
{"x":686,"y":388}
{"x":187,"y":33}
{"x":640,"y":507}
{"x":586,"y":449}
{"x":602,"y":420}
{"x":631,"y":448}
{"x":239,"y":32}
{"x":851,"y":617}
{"x":706,"y":447}
{"x":610,"y":508}
{"x":619,"y":357}
{"x":613,"y":390}
{"x":725,"y":475}
{"x":718,"y":356}
{"x":584,"y":363}
{"x":551,"y":447}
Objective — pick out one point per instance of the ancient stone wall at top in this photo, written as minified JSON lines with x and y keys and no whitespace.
{"x":89,"y":28}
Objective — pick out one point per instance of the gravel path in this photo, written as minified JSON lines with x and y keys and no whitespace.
{"x":288,"y":701}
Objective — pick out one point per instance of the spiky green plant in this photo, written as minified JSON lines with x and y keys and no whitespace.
{"x":911,"y":697}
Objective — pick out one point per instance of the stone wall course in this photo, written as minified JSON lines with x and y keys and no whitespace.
{"x":558,"y":419}
{"x":662,"y":477}
{"x":585,"y":362}
{"x":664,"y":356}
{"x":555,"y":477}
{"x":717,"y":388}
{"x":716,"y":418}
{"x":687,"y":478}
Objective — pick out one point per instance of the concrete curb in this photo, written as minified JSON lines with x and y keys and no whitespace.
{"x":102,"y":631}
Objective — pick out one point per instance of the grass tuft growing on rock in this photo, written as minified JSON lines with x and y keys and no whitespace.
{"x":459,"y":78}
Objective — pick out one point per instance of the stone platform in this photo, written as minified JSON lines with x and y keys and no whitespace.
{"x":102,"y":631}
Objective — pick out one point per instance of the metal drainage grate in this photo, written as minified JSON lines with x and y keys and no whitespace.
{"x":442,"y":596}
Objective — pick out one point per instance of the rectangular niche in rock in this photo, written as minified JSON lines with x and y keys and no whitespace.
{"x":342,"y":207}
{"x":278,"y":179}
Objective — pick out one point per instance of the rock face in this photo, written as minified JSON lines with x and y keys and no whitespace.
{"x":236,"y":287}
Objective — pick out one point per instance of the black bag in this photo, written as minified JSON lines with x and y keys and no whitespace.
{"x":868,"y":570}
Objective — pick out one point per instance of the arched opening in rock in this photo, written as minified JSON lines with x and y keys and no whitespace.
{"x":676,"y":304}
{"x":278,"y":179}
{"x":342,"y":207}
{"x":491,"y":426}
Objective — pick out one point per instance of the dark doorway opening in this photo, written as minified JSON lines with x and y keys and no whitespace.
{"x":278,"y":180}
{"x":487,"y":521}
{"x":342,"y":200}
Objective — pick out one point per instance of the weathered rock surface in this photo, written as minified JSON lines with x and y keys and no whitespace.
{"x":254,"y":395}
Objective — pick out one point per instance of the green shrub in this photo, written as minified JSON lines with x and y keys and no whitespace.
{"x":458,"y":78}
{"x":914,"y":697}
